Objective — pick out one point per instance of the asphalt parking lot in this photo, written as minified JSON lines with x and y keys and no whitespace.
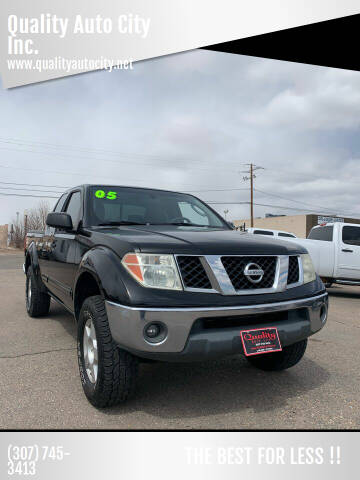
{"x":40,"y":386}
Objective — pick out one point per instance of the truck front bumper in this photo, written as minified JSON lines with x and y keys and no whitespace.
{"x":190,"y":334}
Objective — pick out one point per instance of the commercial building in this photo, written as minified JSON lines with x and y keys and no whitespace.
{"x":3,"y":236}
{"x":300,"y":225}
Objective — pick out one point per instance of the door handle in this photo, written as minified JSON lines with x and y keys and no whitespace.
{"x":347,"y":250}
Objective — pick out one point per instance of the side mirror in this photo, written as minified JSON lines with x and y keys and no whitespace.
{"x":59,"y":220}
{"x":231,"y":225}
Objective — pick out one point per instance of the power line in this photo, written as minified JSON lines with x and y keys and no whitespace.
{"x":63,"y":187}
{"x":215,"y":190}
{"x":20,"y":195}
{"x":258,"y":204}
{"x":52,"y":191}
{"x":128,"y":158}
{"x":184,"y":191}
{"x":170,"y":162}
{"x":291,"y":200}
{"x":308,"y":177}
{"x":301,"y":202}
{"x":56,"y":172}
{"x":27,"y":143}
{"x":272,"y":206}
{"x":96,"y":151}
{"x":67,"y":187}
{"x":209,"y":202}
{"x":81,"y":174}
{"x":32,"y":185}
{"x":28,"y":190}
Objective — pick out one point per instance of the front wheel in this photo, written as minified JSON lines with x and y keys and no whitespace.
{"x":288,"y":357}
{"x":108,"y":373}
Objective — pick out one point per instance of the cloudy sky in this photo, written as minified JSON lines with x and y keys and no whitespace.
{"x":189,"y":122}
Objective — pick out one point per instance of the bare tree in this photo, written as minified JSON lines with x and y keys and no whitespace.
{"x":36,"y":220}
{"x":17,"y":232}
{"x":36,"y":217}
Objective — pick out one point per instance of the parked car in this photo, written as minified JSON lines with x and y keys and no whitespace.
{"x":271,"y":233}
{"x":335,"y":252}
{"x":159,"y":275}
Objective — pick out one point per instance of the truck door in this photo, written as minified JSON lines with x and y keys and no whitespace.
{"x":44,"y":244}
{"x":62,"y":265}
{"x":349,"y":253}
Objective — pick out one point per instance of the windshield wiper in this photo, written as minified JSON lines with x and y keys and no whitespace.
{"x":122,"y":222}
{"x":183,"y":224}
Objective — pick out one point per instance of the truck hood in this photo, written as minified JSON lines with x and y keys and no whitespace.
{"x":189,"y":240}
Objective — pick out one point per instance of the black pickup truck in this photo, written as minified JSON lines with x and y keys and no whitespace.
{"x":159,"y":275}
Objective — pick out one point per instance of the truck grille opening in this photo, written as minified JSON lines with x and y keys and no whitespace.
{"x":294,"y":273}
{"x":223,"y":323}
{"x":193,"y":273}
{"x":235,"y":267}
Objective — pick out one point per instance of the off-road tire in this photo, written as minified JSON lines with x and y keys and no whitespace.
{"x":38,"y":303}
{"x":117,"y":369}
{"x":276,"y":361}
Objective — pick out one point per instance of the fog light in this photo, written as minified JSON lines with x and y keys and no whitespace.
{"x":152,"y":330}
{"x":155,"y":333}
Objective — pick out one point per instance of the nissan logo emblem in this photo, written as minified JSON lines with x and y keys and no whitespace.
{"x":253,"y":272}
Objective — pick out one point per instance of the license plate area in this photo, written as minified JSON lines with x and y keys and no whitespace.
{"x":260,"y":340}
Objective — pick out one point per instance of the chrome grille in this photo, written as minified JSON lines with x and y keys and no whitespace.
{"x":235,"y":267}
{"x":294,"y":272}
{"x":193,"y":273}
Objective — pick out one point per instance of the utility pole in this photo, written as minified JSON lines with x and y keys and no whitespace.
{"x":252,"y":168}
{"x":252,"y":194}
{"x":225,"y":212}
{"x":25,"y":222}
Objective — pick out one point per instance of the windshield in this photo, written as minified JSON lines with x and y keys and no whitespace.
{"x":135,"y":206}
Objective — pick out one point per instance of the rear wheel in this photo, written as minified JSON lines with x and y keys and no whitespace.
{"x":108,"y":374}
{"x":37,"y":301}
{"x":288,"y":357}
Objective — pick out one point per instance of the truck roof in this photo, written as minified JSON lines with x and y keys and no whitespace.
{"x":88,"y":185}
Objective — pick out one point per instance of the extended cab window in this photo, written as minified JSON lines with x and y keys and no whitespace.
{"x":286,"y":235}
{"x":263,"y":232}
{"x":351,"y":235}
{"x":74,"y":208}
{"x":322,"y":233}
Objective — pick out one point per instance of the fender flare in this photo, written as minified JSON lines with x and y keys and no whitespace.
{"x":105,"y":267}
{"x":32,"y":259}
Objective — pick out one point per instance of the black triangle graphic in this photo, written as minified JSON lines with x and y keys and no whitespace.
{"x":333,"y":43}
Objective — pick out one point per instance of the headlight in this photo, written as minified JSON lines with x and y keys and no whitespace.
{"x":150,"y":270}
{"x":308,"y":268}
